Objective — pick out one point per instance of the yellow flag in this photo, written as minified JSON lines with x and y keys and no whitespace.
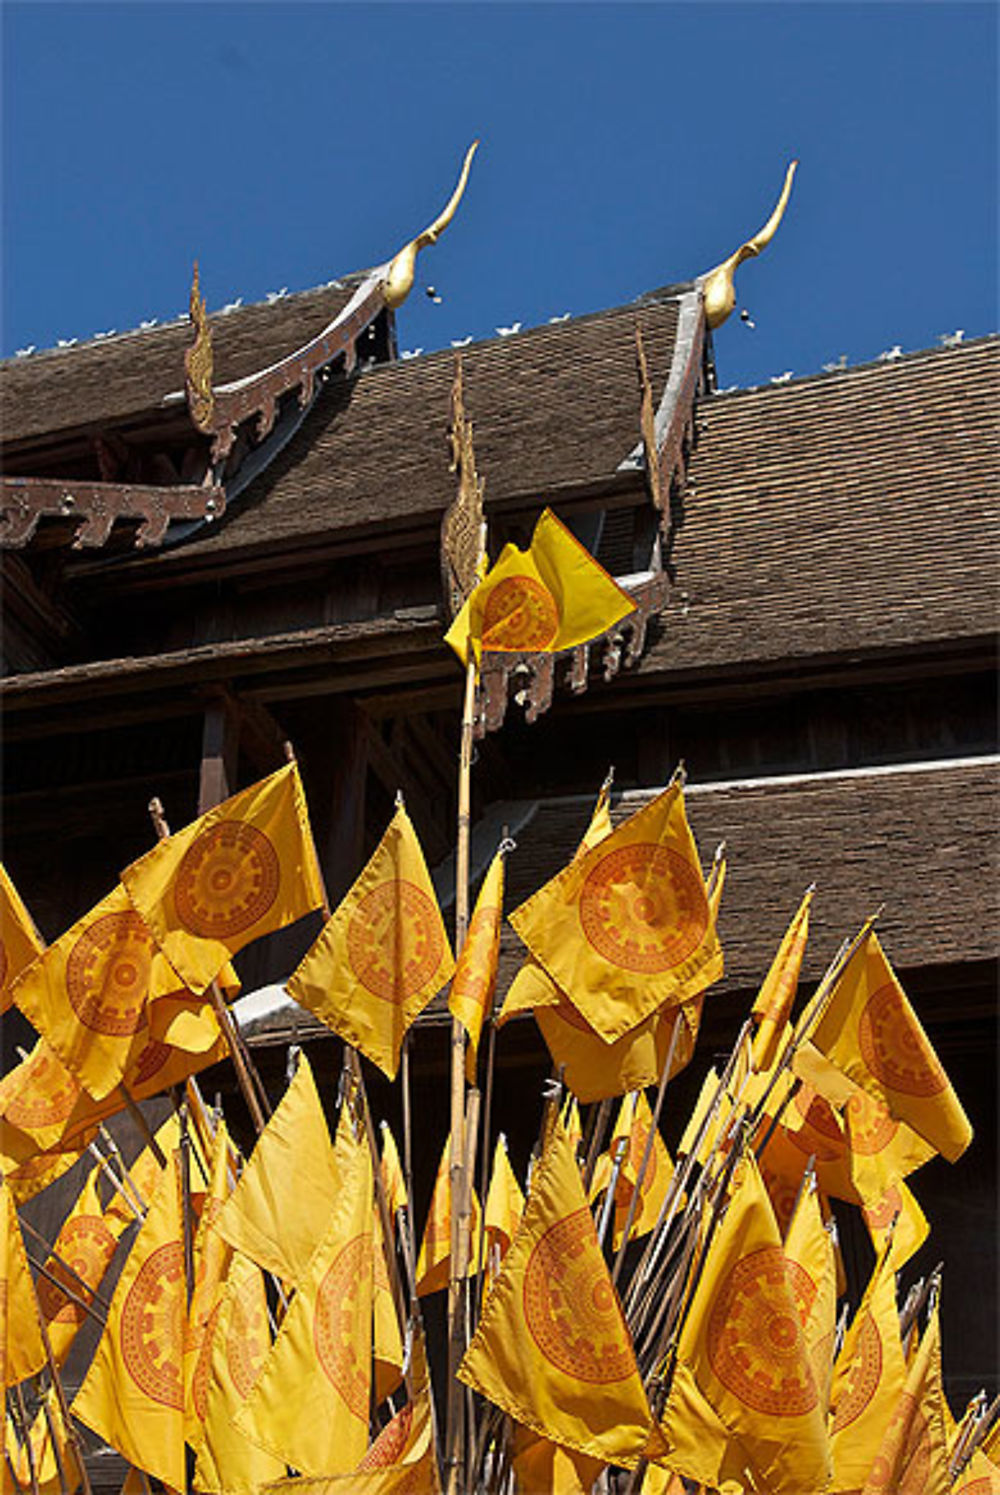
{"x":434,"y":1259}
{"x":540,"y":1465}
{"x":979,"y":1477}
{"x":743,"y":1344}
{"x":773,"y":1002}
{"x":393,"y":1181}
{"x":26,"y":1171}
{"x":571,"y":1377}
{"x":868,"y":1380}
{"x":471,"y":997}
{"x":383,"y":955}
{"x":631,"y":1132}
{"x":212,"y":1257}
{"x":504,"y":1207}
{"x":310,"y":1403}
{"x":87,"y":994}
{"x":387,"y":1341}
{"x":914,"y":1452}
{"x":47,"y":1455}
{"x":245,"y":869}
{"x":87,"y":1242}
{"x":228,"y":1463}
{"x":812,"y":1276}
{"x":883,"y":1151}
{"x":699,"y":1442}
{"x":22,"y":1353}
{"x":146,"y":1172}
{"x":871,"y":1032}
{"x":627,"y":928}
{"x":900,"y":1204}
{"x":20,"y":942}
{"x":270,"y":1216}
{"x":133,"y":1393}
{"x":551,"y":596}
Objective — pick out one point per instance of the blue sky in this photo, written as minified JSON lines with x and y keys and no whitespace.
{"x":624,"y":147}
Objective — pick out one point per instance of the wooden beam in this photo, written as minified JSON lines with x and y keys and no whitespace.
{"x":344,"y":843}
{"x":220,"y":744}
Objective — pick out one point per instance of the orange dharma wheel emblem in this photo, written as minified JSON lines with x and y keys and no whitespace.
{"x":87,"y":1245}
{"x":869,"y":1124}
{"x":820,"y":1135}
{"x":227,"y":880}
{"x":390,"y":1443}
{"x":907,"y":1441}
{"x":334,"y":1323}
{"x":755,"y":1342}
{"x":152,"y":1059}
{"x":862,"y":1378}
{"x":151,"y":1331}
{"x":107,"y":974}
{"x":643,"y":908}
{"x":570,"y":1306}
{"x":895,"y":1050}
{"x":46,"y":1096}
{"x":249,"y":1339}
{"x":879,"y":1216}
{"x":520,"y":615}
{"x":395,"y":942}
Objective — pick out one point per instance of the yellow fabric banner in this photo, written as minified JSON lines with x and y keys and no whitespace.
{"x":812,"y":1276}
{"x":387,"y":1341}
{"x":86,"y":1242}
{"x":571,"y":1378}
{"x":133,"y":1393}
{"x":393,"y":1181}
{"x":979,"y":1477}
{"x":504,"y":1207}
{"x":146,"y":1173}
{"x":245,"y":869}
{"x":551,"y":596}
{"x":212,"y":1257}
{"x":742,"y":1341}
{"x":883,"y":1151}
{"x":632,"y":1129}
{"x":20,"y":942}
{"x":898,"y":1203}
{"x":383,"y":955}
{"x":434,"y":1258}
{"x":310,"y":1403}
{"x":541,"y":1466}
{"x":773,"y":1002}
{"x":474,"y":982}
{"x":228,"y":1463}
{"x":870,"y":1031}
{"x":914,"y":1453}
{"x":627,"y":928}
{"x":87,"y":994}
{"x":22,"y":1353}
{"x":269,"y":1216}
{"x":868,"y":1380}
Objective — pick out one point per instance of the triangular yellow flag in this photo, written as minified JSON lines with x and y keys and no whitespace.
{"x":898,"y":1203}
{"x":20,"y":942}
{"x":87,"y":994}
{"x":631,"y":1132}
{"x":812,"y":1276}
{"x":212,"y":1256}
{"x":552,"y":596}
{"x":383,"y":955}
{"x":541,"y":1465}
{"x":868,"y":1380}
{"x":245,"y":869}
{"x":871,"y":1032}
{"x":310,"y":1403}
{"x":22,"y":1352}
{"x":387,"y":1341}
{"x":743,"y":1344}
{"x":393,"y":1181}
{"x":627,"y":928}
{"x":434,"y":1258}
{"x":269,"y":1216}
{"x":552,"y":1348}
{"x":504,"y":1206}
{"x":883,"y":1151}
{"x":227,"y":1462}
{"x":914,"y":1453}
{"x":773,"y":1002}
{"x":979,"y":1477}
{"x":470,"y":999}
{"x":133,"y":1393}
{"x":87,"y":1241}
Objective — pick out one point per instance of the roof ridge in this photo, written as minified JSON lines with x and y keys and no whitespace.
{"x":776,"y":385}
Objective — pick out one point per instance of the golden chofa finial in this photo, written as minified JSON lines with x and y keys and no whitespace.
{"x":198,"y":361}
{"x":717,"y":286}
{"x":399,"y":276}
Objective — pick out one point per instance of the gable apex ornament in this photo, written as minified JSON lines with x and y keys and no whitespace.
{"x":399,"y":276}
{"x":198,"y":361}
{"x":717,"y":285}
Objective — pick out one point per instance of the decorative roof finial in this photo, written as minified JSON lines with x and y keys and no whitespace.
{"x":198,"y":361}
{"x":399,"y":276}
{"x":717,"y":285}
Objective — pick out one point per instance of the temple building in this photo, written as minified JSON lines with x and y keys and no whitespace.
{"x":222,"y":534}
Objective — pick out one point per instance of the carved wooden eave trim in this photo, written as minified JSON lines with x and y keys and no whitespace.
{"x":531,"y":678}
{"x":24,"y":502}
{"x":256,"y":396}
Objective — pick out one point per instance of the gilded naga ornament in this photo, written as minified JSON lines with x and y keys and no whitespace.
{"x":399,"y":276}
{"x":198,"y":361}
{"x":717,"y":285}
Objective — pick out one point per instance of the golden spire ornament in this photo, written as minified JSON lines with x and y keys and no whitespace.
{"x":399,"y":276}
{"x":717,"y":285}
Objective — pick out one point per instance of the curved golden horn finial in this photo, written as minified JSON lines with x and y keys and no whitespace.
{"x":717,"y":285}
{"x":399,"y":276}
